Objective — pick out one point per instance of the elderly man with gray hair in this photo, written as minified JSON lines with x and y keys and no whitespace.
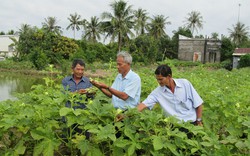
{"x":126,"y":89}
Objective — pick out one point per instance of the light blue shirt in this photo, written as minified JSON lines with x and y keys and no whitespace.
{"x":181,"y":103}
{"x":131,"y":85}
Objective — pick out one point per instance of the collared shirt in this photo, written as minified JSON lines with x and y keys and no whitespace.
{"x":181,"y":103}
{"x":70,"y":84}
{"x":131,"y":85}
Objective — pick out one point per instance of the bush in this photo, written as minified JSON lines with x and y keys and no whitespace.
{"x":10,"y":64}
{"x":227,"y":64}
{"x":244,"y":61}
{"x":39,"y":59}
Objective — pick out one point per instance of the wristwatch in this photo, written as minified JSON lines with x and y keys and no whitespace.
{"x":199,"y":119}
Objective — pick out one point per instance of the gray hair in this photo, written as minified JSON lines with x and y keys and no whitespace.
{"x":126,"y":56}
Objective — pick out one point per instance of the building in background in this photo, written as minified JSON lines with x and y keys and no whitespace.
{"x":199,"y":49}
{"x":238,"y":52}
{"x":7,"y":46}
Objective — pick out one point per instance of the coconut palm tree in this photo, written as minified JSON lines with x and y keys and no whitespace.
{"x":157,"y":25}
{"x":140,"y":21}
{"x":215,"y":35}
{"x":194,"y":21}
{"x":75,"y":23}
{"x":25,"y":41}
{"x":92,"y":29}
{"x":24,"y":29}
{"x":50,"y":25}
{"x":239,"y":33}
{"x":119,"y":23}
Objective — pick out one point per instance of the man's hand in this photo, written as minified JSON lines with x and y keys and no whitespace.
{"x":82,"y":91}
{"x":99,"y":84}
{"x":199,"y":123}
{"x":119,"y":117}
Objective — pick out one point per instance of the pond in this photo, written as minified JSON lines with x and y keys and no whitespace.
{"x":11,"y":84}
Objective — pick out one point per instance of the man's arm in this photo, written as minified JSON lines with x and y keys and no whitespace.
{"x":110,"y":91}
{"x":119,"y":94}
{"x":199,"y":115}
{"x":106,"y":92}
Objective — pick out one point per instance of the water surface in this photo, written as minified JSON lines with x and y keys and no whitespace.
{"x":11,"y":84}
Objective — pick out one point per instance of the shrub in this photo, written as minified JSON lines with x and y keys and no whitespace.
{"x":244,"y":61}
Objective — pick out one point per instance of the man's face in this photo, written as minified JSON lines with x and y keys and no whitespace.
{"x":78,"y":71}
{"x":163,"y":81}
{"x":122,"y":66}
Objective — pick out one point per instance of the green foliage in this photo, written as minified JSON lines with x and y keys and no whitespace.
{"x":34,"y":43}
{"x":32,"y":125}
{"x":227,"y":64}
{"x":10,"y":64}
{"x":166,"y":49}
{"x":39,"y":58}
{"x":227,"y":49}
{"x":146,"y":50}
{"x":63,"y":47}
{"x":178,"y":63}
{"x":93,"y":52}
{"x":244,"y":61}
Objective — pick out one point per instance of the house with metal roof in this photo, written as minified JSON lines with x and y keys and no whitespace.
{"x":7,"y":48}
{"x":238,"y":52}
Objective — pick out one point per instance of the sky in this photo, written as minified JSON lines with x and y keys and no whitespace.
{"x":218,"y":15}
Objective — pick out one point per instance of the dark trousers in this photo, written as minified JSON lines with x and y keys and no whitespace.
{"x":189,"y":134}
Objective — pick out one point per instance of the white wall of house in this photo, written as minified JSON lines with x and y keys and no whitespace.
{"x":236,"y":60}
{"x":5,"y":49}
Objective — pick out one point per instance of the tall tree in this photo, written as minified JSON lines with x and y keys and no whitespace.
{"x":24,"y":29}
{"x":194,"y":21}
{"x":215,"y":35}
{"x":140,"y":21}
{"x":120,"y":22}
{"x":157,"y":25}
{"x":11,"y":32}
{"x":24,"y":41}
{"x":75,"y":23}
{"x":50,"y":25}
{"x":239,"y":33}
{"x":92,"y":29}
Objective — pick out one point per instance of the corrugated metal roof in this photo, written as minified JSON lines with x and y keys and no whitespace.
{"x":242,"y":50}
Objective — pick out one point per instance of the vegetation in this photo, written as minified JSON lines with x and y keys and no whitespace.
{"x":120,"y":22}
{"x":225,"y":118}
{"x":194,"y":21}
{"x":239,"y":34}
{"x":244,"y":61}
{"x":75,"y":22}
{"x":226,"y":108}
{"x":123,"y":28}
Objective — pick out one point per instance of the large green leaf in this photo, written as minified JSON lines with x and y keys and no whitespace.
{"x":65,"y":110}
{"x":46,"y":147}
{"x":20,"y":148}
{"x":157,"y":142}
{"x":171,"y":147}
{"x":131,"y":149}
